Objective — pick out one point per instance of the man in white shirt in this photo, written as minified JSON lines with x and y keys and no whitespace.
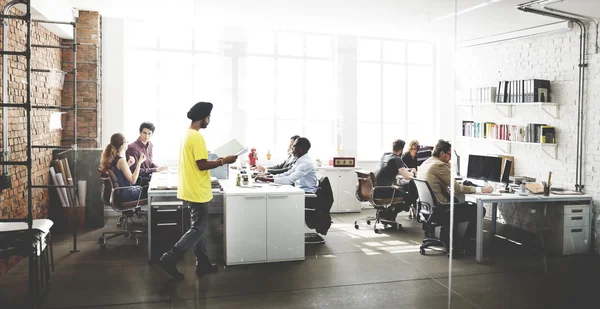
{"x":303,"y":174}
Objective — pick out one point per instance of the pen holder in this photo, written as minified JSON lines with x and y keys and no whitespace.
{"x":546,"y":190}
{"x":245,"y":179}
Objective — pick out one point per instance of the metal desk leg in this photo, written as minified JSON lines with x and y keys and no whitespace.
{"x":479,"y":238}
{"x":494,"y":217}
{"x":149,"y":228}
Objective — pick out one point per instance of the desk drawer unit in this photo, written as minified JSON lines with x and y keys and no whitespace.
{"x":245,"y":229}
{"x":166,"y":227}
{"x":570,"y":230}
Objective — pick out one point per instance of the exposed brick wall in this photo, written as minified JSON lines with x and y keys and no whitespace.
{"x":553,"y":57}
{"x":13,"y":201}
{"x":89,"y":52}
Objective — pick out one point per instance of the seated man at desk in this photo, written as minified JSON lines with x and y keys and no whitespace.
{"x":285,"y":165}
{"x":390,"y":166}
{"x":142,"y":145}
{"x":303,"y":174}
{"x":436,"y":171}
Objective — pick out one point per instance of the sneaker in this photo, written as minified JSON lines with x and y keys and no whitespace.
{"x":170,"y":268}
{"x":206,"y":269}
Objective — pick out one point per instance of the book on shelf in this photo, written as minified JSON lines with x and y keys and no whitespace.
{"x":523,"y":91}
{"x":529,"y":133}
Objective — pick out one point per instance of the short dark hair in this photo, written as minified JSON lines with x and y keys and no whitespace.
{"x":441,"y":146}
{"x":147,"y":125}
{"x":398,"y":145}
{"x":295,"y":137}
{"x":303,"y":143}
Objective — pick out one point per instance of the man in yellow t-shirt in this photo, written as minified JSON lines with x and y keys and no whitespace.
{"x":194,"y":188}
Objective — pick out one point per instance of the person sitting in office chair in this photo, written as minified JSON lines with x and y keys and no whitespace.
{"x":389,"y":167}
{"x":436,"y":171}
{"x":113,"y":158}
{"x":142,"y":145}
{"x":285,"y":165}
{"x":303,"y":173}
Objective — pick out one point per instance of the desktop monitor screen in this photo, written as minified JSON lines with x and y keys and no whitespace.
{"x":484,"y":168}
{"x":423,"y":154}
{"x":506,"y":171}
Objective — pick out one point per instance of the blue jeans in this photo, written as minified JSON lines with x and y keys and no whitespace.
{"x":194,"y":237}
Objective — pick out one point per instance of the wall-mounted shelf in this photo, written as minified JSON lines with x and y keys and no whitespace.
{"x":506,"y":108}
{"x":550,"y":149}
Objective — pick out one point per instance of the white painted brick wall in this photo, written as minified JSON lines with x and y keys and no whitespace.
{"x":553,"y":57}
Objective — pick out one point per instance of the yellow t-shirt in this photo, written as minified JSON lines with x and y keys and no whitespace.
{"x":193,"y":184}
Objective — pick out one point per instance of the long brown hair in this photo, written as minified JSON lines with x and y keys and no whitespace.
{"x":112,"y":150}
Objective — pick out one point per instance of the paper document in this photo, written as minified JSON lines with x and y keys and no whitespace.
{"x":231,"y":148}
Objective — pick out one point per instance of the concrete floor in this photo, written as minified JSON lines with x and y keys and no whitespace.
{"x":353,"y":269}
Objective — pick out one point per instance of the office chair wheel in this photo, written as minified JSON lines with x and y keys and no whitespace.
{"x":356,"y":226}
{"x":368,"y":222}
{"x":378,"y":231}
{"x":102,"y":242}
{"x":422,"y":251}
{"x":137,"y":242}
{"x":126,"y":235}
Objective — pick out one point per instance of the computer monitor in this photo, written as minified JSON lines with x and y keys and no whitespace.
{"x":506,"y":173}
{"x":423,"y":154}
{"x":484,"y":168}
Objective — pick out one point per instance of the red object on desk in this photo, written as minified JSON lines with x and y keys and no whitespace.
{"x":253,"y":156}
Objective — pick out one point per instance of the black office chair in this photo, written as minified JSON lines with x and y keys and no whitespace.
{"x":127,"y":209}
{"x":388,"y":201}
{"x":433,"y":214}
{"x":316,"y":212}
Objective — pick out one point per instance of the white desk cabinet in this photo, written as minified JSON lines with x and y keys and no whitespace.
{"x":343,"y":184}
{"x":263,"y":224}
{"x":570,"y":230}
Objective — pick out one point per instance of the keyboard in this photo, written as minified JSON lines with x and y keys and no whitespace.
{"x":469,"y":183}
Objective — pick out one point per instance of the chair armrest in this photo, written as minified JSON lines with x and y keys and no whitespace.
{"x":394,"y":189}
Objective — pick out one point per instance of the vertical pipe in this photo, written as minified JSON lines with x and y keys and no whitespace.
{"x":5,"y":11}
{"x":74,"y":152}
{"x":582,"y":66}
{"x":32,"y":266}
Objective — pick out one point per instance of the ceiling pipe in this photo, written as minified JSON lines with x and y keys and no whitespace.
{"x":592,"y":19}
{"x":581,"y":90}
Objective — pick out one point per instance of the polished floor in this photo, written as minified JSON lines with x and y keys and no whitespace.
{"x":353,"y":269}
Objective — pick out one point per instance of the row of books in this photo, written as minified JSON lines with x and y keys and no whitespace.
{"x":480,"y":95}
{"x":523,"y":91}
{"x":530,"y":133}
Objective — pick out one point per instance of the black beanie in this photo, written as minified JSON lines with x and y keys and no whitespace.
{"x":199,"y":111}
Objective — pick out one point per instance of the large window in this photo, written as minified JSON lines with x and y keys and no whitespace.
{"x":166,"y":73}
{"x":290,"y":89}
{"x":395,"y":94}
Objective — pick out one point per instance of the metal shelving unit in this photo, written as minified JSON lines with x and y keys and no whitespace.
{"x":28,"y":107}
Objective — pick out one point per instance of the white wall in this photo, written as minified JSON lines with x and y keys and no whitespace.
{"x":553,"y":57}
{"x":113,"y":79}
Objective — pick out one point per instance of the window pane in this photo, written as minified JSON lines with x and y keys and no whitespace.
{"x":369,"y":139}
{"x":321,"y":103}
{"x":368,"y":49}
{"x":208,"y":39}
{"x":423,"y":132}
{"x":392,"y":132}
{"x":259,"y":85}
{"x":394,"y":93}
{"x":290,"y":92}
{"x":261,"y":43}
{"x":420,"y":53}
{"x":321,"y":135}
{"x":142,"y":35}
{"x":290,"y":44}
{"x":259,"y":133}
{"x":369,"y":92}
{"x":319,"y":46}
{"x":420,"y":93}
{"x":176,"y":37}
{"x":394,"y":51}
{"x":284,"y":129}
